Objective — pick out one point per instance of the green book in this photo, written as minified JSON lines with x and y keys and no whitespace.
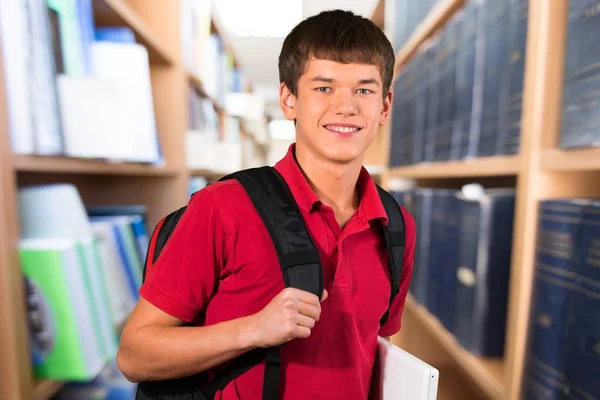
{"x":70,"y":40}
{"x":75,"y":352}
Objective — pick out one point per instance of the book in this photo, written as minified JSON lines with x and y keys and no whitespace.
{"x":511,"y":95}
{"x":53,"y":266}
{"x":483,"y":273}
{"x":580,"y":110}
{"x":495,"y":49}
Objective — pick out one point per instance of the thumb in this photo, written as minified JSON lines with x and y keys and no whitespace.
{"x":324,"y":296}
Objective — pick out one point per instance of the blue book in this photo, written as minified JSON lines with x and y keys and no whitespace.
{"x":421,"y":67}
{"x":496,"y":62}
{"x":442,"y":259}
{"x":118,"y":34}
{"x":85,"y":17}
{"x":512,"y":91}
{"x":583,"y":341}
{"x":446,"y":112}
{"x":484,"y":257}
{"x":581,"y":108}
{"x":560,"y":234}
{"x":422,"y":209}
{"x":399,"y":132}
{"x":432,"y":98}
{"x":465,"y":73}
{"x":590,"y":242}
{"x":564,"y":323}
{"x":547,"y":352}
{"x":447,"y":308}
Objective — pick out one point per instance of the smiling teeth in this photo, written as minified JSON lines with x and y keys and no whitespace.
{"x":342,"y":129}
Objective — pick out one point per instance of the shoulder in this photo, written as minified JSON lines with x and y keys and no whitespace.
{"x":228,"y":199}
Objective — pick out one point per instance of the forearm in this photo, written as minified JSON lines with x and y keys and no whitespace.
{"x":156,"y":352}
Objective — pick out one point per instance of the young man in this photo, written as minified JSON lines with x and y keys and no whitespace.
{"x":219,"y":269}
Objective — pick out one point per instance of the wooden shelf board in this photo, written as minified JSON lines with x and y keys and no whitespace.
{"x":209,"y":174}
{"x":46,"y":389}
{"x":485,"y":166}
{"x":119,"y":13}
{"x":70,"y":165}
{"x":486,"y":374}
{"x":558,"y":160}
{"x":437,"y":17}
{"x":197,"y":82}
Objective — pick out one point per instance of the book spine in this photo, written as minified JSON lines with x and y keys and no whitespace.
{"x":495,"y":65}
{"x":493,"y":274}
{"x":510,"y":124}
{"x":581,"y":110}
{"x":470,"y":221}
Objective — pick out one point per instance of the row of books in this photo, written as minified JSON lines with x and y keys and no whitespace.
{"x":82,"y":267}
{"x":563,"y":356}
{"x":204,"y":52}
{"x":461,"y":95}
{"x":64,"y":75}
{"x":462,"y":260}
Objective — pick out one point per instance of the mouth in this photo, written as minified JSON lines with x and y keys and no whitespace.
{"x":343,"y":129}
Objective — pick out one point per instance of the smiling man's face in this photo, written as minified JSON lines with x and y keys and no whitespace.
{"x":338,"y":109}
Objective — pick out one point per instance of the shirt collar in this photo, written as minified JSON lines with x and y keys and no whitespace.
{"x":370,"y":206}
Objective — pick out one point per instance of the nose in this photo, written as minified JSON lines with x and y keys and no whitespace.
{"x":345,"y":103}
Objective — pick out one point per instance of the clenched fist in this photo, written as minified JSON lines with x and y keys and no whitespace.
{"x":290,"y":315}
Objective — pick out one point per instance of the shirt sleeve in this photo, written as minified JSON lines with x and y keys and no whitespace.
{"x":392,"y":326}
{"x":184,"y":277}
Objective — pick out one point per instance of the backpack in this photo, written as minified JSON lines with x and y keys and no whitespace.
{"x":300,"y":267}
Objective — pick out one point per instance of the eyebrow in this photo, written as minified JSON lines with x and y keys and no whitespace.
{"x":331,"y":80}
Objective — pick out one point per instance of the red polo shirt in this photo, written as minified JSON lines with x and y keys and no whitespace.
{"x":220,"y":264}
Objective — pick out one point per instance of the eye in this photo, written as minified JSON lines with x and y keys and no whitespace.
{"x":323,"y":89}
{"x":364,"y":91}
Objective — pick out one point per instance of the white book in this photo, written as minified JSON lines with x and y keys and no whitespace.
{"x":85,"y":104}
{"x":14,"y":37}
{"x":398,"y":375}
{"x":46,"y":118}
{"x":128,"y":65}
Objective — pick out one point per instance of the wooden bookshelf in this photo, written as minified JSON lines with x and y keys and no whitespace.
{"x":68,"y":165}
{"x":441,"y":13}
{"x":557,"y":160}
{"x":46,"y":389}
{"x":488,"y":374}
{"x":119,"y":13}
{"x":478,"y":167}
{"x":542,"y":171}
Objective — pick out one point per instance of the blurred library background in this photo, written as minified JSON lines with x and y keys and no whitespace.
{"x":112,"y":112}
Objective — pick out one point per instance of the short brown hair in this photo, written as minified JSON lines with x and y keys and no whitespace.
{"x":335,"y":35}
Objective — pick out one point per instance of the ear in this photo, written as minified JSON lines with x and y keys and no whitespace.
{"x":387,"y":107}
{"x":287,"y":102}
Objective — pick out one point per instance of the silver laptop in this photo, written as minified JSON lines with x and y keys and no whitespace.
{"x":399,"y":375}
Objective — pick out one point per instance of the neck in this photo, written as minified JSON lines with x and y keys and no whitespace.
{"x":334,"y":183}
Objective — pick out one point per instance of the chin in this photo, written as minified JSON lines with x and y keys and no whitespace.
{"x":343,"y":155}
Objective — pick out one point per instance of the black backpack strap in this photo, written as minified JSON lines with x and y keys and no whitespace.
{"x":394,"y":235}
{"x":298,"y":256}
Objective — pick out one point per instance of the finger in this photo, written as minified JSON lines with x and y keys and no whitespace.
{"x":303,"y":320}
{"x":324,"y":296}
{"x":309,"y":310}
{"x":301,"y":332}
{"x":306,"y":297}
